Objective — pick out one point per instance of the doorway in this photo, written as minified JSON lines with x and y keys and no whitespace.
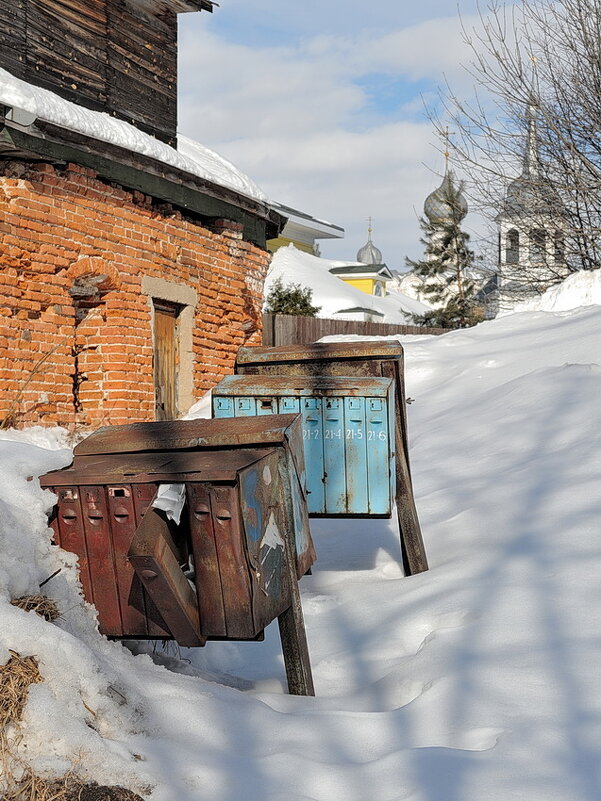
{"x":166,"y":358}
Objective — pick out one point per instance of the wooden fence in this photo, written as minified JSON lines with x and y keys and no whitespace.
{"x":287,"y":329}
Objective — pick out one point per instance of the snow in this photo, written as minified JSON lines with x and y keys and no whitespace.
{"x":333,"y":294}
{"x":190,"y":156}
{"x":478,"y":679}
{"x":579,"y":289}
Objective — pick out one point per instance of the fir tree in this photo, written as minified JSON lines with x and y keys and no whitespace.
{"x":445,"y":268}
{"x":290,"y":299}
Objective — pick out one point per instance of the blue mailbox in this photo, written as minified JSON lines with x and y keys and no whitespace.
{"x":348,"y":435}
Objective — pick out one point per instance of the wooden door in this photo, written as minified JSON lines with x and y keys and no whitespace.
{"x":166,"y":359}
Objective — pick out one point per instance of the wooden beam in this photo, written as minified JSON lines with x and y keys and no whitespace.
{"x":184,"y":191}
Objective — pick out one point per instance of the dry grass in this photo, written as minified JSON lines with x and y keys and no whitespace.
{"x":16,"y":676}
{"x":45,"y":607}
{"x":33,"y":788}
{"x":69,"y":788}
{"x":20,"y":781}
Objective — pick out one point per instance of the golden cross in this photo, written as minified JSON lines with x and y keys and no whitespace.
{"x":447,"y":136}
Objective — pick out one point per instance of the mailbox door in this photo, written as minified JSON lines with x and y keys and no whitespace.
{"x":206,"y":561}
{"x":223,"y":580}
{"x":334,"y":455}
{"x":313,"y":447}
{"x":70,"y":535}
{"x":123,"y":524}
{"x":356,"y":455}
{"x":143,"y":495}
{"x":263,"y":486}
{"x":102,"y":560}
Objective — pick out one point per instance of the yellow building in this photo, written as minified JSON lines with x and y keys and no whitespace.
{"x":369,"y":278}
{"x":368,"y":273}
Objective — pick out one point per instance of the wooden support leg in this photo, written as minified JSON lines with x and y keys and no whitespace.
{"x":412,"y":544}
{"x":296,"y":652}
{"x":292,"y":632}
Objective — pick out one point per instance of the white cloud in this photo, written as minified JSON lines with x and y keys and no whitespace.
{"x":295,"y":117}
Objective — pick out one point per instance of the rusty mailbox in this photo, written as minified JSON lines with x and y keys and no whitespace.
{"x":378,"y":358}
{"x":228,"y":568}
{"x":348,"y":435}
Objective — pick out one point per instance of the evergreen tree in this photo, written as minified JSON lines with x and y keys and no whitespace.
{"x":445,"y":268}
{"x":290,"y":299}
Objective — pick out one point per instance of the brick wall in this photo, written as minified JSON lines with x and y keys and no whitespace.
{"x":76,"y":330}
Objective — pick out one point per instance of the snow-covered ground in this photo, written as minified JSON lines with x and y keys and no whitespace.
{"x":331,"y":293}
{"x":475,"y":681}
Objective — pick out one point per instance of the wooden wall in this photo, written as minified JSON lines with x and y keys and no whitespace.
{"x":12,"y":37}
{"x":66,"y":49}
{"x":142,"y":72}
{"x":287,"y":329}
{"x":118,"y":56}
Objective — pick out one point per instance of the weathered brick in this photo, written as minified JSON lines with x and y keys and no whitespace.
{"x":61,"y":227}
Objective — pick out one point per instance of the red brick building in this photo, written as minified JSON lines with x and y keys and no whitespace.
{"x":128,"y":277}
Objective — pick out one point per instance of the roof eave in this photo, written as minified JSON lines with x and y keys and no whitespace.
{"x":53,"y":144}
{"x":183,"y":6}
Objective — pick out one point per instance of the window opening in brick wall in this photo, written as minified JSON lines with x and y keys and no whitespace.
{"x":166,"y":358}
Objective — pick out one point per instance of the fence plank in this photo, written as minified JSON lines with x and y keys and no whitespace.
{"x":287,"y":329}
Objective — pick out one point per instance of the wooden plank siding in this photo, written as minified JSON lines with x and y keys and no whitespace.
{"x":118,"y":56}
{"x":142,"y":68}
{"x":66,"y":48}
{"x":13,"y":37}
{"x":287,"y":329}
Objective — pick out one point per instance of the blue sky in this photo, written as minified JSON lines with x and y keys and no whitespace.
{"x":322,"y":103}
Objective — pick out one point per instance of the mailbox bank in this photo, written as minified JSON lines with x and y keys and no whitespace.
{"x":228,"y":569}
{"x":351,"y":358}
{"x":348,"y":435}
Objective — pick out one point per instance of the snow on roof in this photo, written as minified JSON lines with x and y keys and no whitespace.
{"x":190,"y":157}
{"x":580,"y":289}
{"x":332,"y":294}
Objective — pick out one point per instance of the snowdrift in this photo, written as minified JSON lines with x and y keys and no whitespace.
{"x":476,"y":680}
{"x":578,"y":290}
{"x":331,"y":293}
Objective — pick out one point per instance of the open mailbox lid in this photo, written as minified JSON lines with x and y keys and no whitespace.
{"x":173,"y":467}
{"x":303,"y":386}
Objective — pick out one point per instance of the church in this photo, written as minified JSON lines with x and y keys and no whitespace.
{"x":531,"y":234}
{"x":531,"y":230}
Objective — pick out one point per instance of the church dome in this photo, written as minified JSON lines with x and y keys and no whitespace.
{"x":369,"y":253}
{"x":528,"y":196}
{"x":437,"y":207}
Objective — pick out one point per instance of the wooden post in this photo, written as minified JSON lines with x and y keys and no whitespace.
{"x":412,"y":544}
{"x":292,"y":624}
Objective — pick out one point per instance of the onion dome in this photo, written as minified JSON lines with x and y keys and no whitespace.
{"x":528,"y":196}
{"x":369,"y":253}
{"x":446,"y":203}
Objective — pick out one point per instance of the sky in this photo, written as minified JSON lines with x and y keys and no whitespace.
{"x":322,"y":103}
